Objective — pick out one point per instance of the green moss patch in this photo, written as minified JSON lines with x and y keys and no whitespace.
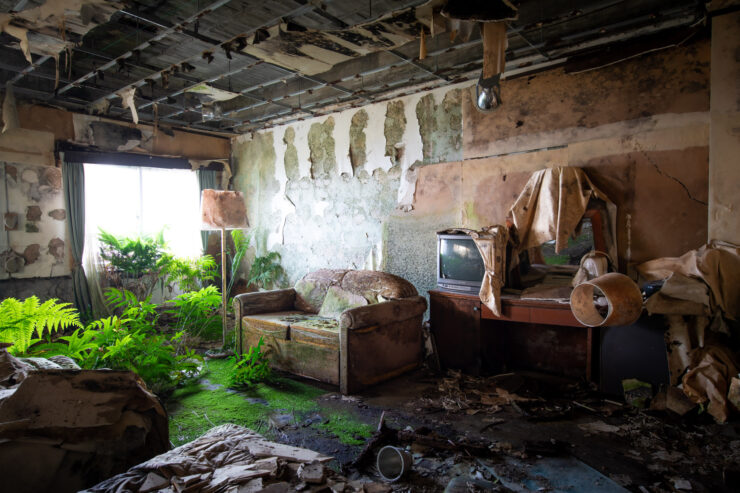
{"x":195,"y":409}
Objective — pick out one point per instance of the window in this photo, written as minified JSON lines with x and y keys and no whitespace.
{"x":134,"y":201}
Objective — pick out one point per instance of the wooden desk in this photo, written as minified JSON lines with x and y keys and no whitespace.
{"x":530,"y":334}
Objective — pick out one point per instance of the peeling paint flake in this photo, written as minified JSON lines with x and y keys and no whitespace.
{"x":321,"y":145}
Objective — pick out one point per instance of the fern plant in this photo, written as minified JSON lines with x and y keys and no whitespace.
{"x":132,"y":256}
{"x":197,"y":312}
{"x":191,"y":274}
{"x":265,"y":270}
{"x":251,"y":368}
{"x":141,"y":315}
{"x":241,"y":245}
{"x":19,"y":320}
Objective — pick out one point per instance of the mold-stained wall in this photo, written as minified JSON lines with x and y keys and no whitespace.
{"x":369,"y":187}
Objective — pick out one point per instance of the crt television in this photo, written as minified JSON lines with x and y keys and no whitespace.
{"x":459,"y":264}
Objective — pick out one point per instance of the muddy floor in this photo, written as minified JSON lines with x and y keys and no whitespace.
{"x":524,"y":432}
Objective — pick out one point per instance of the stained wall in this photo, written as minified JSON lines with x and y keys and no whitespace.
{"x":369,"y":187}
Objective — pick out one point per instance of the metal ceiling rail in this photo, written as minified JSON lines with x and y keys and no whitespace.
{"x":30,"y":69}
{"x":142,"y":46}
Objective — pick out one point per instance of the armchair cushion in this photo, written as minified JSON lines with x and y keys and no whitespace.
{"x":337,"y":300}
{"x":311,"y":290}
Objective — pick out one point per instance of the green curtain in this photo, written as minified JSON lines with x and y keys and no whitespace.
{"x":73,"y":175}
{"x":206,"y":179}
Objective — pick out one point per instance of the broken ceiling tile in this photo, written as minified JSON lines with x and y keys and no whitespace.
{"x":33,"y":213}
{"x":11,"y":221}
{"x":58,"y":214}
{"x":31,"y":253}
{"x":212,"y":93}
{"x":31,"y":228}
{"x":56,"y":249}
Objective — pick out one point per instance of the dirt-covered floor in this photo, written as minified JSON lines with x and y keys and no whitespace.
{"x":514,"y":432}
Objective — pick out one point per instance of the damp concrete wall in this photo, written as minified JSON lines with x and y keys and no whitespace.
{"x":369,"y":187}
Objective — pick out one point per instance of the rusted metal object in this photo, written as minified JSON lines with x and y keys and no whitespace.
{"x":623,"y":301}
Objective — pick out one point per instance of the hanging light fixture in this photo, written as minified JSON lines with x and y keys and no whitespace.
{"x":488,"y":88}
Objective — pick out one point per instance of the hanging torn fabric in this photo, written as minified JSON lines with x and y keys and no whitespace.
{"x":491,"y":242}
{"x":552,"y":205}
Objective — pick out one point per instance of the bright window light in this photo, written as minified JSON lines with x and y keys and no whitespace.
{"x":131,"y":201}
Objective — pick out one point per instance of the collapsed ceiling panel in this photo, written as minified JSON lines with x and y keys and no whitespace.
{"x":289,"y":59}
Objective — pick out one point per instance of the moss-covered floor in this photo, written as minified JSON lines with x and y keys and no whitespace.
{"x":283,"y":409}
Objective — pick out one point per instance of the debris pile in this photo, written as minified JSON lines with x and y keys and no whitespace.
{"x":231,"y":459}
{"x":77,"y":426}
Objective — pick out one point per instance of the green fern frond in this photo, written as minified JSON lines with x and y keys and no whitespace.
{"x":20,"y":320}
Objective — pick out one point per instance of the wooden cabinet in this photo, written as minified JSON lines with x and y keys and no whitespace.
{"x":455,"y":324}
{"x":529,"y":334}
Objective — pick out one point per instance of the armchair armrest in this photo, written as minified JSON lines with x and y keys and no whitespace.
{"x":383,"y":313}
{"x":263,"y":302}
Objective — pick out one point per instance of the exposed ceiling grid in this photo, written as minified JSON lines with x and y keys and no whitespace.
{"x":289,"y":59}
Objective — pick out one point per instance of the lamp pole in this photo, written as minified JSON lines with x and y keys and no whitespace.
{"x":224,"y":294}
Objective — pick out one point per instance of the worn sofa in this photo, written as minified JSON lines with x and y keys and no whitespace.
{"x":351,"y":328}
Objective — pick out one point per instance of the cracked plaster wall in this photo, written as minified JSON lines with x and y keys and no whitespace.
{"x":430,"y":161}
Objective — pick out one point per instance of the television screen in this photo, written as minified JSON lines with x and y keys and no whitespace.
{"x":460,"y":260}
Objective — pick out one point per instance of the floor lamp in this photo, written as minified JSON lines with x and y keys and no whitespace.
{"x":222,"y":210}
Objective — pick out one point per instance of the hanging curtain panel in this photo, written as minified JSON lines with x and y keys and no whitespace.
{"x":73,"y":175}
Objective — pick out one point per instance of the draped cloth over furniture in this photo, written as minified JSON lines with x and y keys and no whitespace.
{"x":206,"y":179}
{"x":73,"y":175}
{"x":552,"y":205}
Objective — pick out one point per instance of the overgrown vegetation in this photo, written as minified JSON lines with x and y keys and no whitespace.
{"x":249,"y":368}
{"x":265,"y":270}
{"x":197,"y":312}
{"x":137,"y":264}
{"x":191,"y":274}
{"x":195,"y":408}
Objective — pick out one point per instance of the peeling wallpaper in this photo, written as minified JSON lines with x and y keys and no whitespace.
{"x":369,"y":187}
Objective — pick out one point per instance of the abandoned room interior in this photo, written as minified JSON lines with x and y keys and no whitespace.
{"x":370,"y":246}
